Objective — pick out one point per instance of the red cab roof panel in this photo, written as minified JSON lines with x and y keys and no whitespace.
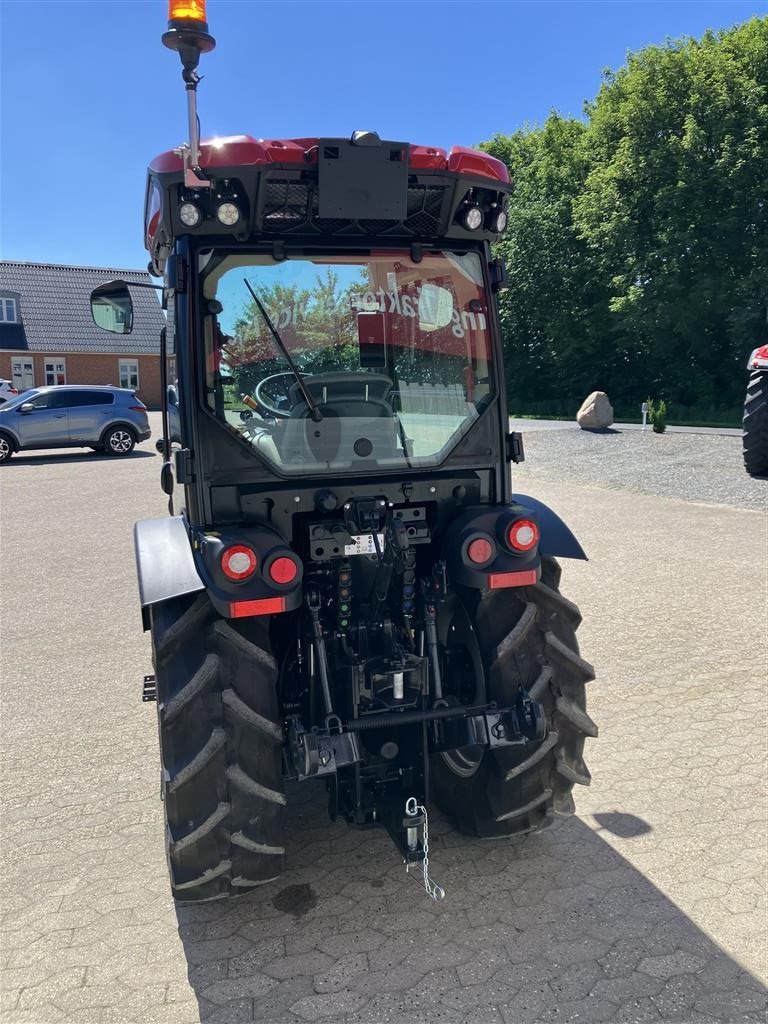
{"x":243,"y":150}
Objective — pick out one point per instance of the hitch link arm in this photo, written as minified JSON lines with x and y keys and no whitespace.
{"x":313,"y":604}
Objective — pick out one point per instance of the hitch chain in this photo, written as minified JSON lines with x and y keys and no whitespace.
{"x":433,"y":890}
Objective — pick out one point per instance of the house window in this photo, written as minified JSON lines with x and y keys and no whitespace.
{"x":23,"y":374}
{"x":55,"y":371}
{"x":8,"y":311}
{"x":129,"y":373}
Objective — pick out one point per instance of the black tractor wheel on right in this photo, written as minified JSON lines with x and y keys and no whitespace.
{"x":220,"y":744}
{"x":516,"y":637}
{"x":755,"y":436}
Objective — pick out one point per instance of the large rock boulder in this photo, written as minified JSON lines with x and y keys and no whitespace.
{"x":596,"y":412}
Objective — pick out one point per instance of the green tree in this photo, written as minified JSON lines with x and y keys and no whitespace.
{"x":553,"y":313}
{"x":674,"y":208}
{"x":637,"y":244}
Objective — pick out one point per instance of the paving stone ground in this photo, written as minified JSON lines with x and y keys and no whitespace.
{"x":649,"y":905}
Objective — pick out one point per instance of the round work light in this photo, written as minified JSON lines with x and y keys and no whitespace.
{"x":228,"y":214}
{"x":189,"y":215}
{"x":472,"y":218}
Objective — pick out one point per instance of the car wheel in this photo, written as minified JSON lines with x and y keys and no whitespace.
{"x":119,"y":441}
{"x":6,"y":448}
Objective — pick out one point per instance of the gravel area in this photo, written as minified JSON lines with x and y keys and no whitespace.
{"x":693,"y":467}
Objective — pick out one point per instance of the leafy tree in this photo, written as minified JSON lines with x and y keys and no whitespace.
{"x":638,"y":239}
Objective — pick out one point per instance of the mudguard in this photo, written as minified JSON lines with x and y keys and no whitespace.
{"x":164,"y":562}
{"x":557,"y":540}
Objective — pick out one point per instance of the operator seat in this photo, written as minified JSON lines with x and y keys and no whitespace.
{"x":358,"y":425}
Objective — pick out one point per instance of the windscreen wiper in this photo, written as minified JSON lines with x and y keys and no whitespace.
{"x":313,"y":408}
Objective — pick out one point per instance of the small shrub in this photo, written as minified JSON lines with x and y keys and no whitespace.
{"x":657,"y":413}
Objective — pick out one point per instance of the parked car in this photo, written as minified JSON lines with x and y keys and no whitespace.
{"x":106,"y":419}
{"x":174,"y":420}
{"x":7,"y":390}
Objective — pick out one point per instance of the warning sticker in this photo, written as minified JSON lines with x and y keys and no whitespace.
{"x":363,"y":544}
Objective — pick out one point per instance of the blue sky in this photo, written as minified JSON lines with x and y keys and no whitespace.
{"x":89,"y":94}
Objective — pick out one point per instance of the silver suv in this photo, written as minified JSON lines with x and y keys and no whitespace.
{"x":105,"y":419}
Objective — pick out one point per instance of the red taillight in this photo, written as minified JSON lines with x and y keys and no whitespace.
{"x":137,"y":408}
{"x":523,"y":535}
{"x":264,"y":606}
{"x":479,"y":551}
{"x":12,"y":391}
{"x":283,"y":571}
{"x":238,"y":562}
{"x":526,"y":578}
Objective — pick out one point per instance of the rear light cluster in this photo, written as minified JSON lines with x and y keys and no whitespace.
{"x":239,"y":562}
{"x":521,"y":537}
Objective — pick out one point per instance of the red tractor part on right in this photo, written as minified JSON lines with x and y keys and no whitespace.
{"x":755,"y":437}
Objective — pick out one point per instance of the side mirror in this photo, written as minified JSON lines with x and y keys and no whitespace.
{"x":435,"y":307}
{"x":25,"y":408}
{"x":112,"y":308}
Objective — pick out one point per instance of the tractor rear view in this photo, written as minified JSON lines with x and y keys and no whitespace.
{"x":351,"y":592}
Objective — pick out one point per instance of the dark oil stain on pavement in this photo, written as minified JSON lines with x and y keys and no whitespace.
{"x":295,"y":899}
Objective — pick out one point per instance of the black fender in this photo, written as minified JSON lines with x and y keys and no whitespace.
{"x":165,"y":565}
{"x":557,"y":539}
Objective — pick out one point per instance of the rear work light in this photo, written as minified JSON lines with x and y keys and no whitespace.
{"x":238,"y":562}
{"x":283,"y":571}
{"x":480,"y":551}
{"x":523,"y":535}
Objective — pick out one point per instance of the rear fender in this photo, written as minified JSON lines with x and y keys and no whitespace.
{"x":164,"y":562}
{"x":557,"y":540}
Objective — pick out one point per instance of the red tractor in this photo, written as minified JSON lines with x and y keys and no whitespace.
{"x":351,"y":591}
{"x":755,"y":436}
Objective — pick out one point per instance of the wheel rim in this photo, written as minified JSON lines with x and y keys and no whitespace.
{"x":5,"y":448}
{"x":464,"y":662}
{"x":120,"y":441}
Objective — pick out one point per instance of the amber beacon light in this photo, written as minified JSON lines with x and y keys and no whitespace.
{"x":188,"y":26}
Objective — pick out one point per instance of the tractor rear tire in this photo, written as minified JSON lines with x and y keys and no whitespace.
{"x":220,"y":745}
{"x":755,"y":436}
{"x":526,"y":637}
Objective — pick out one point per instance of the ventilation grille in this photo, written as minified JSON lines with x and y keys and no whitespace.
{"x":291,"y":207}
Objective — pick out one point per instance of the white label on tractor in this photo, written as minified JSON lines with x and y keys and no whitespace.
{"x":363,"y":544}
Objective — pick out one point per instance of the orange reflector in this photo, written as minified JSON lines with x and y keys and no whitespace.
{"x":186,"y":10}
{"x":526,"y":578}
{"x":266,"y":606}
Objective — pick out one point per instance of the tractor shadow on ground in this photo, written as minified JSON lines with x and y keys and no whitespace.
{"x":553,"y":927}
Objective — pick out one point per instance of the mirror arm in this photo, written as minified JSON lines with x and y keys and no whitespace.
{"x":165,"y":472}
{"x":142,"y":284}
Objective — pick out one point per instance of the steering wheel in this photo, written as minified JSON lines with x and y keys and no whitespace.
{"x":266,"y":401}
